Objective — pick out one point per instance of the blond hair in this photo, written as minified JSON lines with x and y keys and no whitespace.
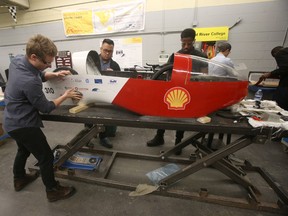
{"x":41,"y":46}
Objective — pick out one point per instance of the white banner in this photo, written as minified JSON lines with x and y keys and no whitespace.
{"x":124,"y":17}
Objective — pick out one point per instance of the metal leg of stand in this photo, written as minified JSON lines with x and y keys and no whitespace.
{"x":230,"y":170}
{"x":82,"y":138}
{"x":207,"y":161}
{"x":181,"y":145}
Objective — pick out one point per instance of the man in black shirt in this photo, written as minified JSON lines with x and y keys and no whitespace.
{"x":106,"y":63}
{"x":281,"y":94}
{"x":187,"y":42}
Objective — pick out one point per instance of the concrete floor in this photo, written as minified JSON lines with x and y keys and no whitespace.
{"x":92,"y":199}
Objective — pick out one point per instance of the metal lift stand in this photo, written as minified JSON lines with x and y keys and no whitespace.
{"x":217,"y":159}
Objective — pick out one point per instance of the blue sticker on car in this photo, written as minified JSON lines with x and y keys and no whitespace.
{"x":98,"y":81}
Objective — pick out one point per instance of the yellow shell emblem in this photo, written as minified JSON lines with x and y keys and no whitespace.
{"x":177,"y":98}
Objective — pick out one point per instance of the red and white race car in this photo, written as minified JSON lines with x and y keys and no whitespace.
{"x":173,"y":91}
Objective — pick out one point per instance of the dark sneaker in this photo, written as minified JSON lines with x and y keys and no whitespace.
{"x":156,"y":141}
{"x":59,"y":192}
{"x":106,"y":143}
{"x":179,"y":152}
{"x":20,"y":183}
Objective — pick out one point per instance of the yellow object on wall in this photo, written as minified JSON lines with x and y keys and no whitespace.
{"x":107,"y":19}
{"x":212,"y":34}
{"x":78,"y":22}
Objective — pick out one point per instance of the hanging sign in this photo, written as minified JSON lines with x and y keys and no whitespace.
{"x":124,"y":17}
{"x":212,"y":34}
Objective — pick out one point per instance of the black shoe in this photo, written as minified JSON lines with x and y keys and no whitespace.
{"x":20,"y":183}
{"x":179,"y":152}
{"x":106,"y":143}
{"x":156,"y":141}
{"x":59,"y":192}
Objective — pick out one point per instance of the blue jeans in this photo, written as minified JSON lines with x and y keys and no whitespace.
{"x":33,"y":141}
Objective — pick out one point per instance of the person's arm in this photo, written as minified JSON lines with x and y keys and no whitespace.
{"x":51,"y":75}
{"x":71,"y":93}
{"x":275,"y":74}
{"x":263,"y":77}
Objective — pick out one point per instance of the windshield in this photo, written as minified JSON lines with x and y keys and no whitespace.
{"x":208,"y":70}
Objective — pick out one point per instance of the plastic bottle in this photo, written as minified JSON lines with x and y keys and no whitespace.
{"x":258,"y":97}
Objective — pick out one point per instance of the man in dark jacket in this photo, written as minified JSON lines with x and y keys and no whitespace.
{"x":106,"y":53}
{"x":107,"y":64}
{"x":281,"y":94}
{"x":187,"y":42}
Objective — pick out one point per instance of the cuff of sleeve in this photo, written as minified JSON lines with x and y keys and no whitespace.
{"x":43,"y":76}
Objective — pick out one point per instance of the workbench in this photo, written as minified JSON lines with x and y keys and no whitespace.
{"x":204,"y":157}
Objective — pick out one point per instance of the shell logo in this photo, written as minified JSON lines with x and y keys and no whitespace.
{"x":177,"y":98}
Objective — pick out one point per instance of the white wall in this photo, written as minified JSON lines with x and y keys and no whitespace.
{"x":263,"y":26}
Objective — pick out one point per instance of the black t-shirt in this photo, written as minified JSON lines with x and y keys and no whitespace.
{"x":282,"y":71}
{"x":281,"y":93}
{"x":282,"y":58}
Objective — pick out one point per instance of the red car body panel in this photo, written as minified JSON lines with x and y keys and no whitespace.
{"x":179,"y":97}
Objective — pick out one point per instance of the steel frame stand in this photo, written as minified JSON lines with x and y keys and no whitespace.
{"x":209,"y":158}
